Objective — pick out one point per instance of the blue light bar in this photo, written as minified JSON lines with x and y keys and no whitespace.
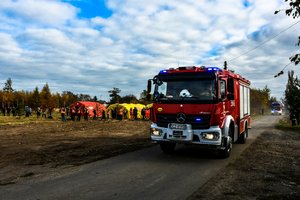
{"x":213,"y":69}
{"x":163,"y":71}
{"x":198,"y":119}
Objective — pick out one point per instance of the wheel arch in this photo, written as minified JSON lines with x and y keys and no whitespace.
{"x":228,"y":123}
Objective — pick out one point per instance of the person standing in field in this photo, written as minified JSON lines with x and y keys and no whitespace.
{"x":72,"y":114}
{"x":44,"y":113}
{"x":63,"y":114}
{"x":109,"y":114}
{"x":147,"y":114}
{"x":143,"y":113}
{"x":78,"y":113}
{"x":131,"y":113}
{"x":125,"y":113}
{"x":120,"y":113}
{"x":103,"y":115}
{"x":135,"y":113}
{"x":67,"y":111}
{"x":86,"y":114}
{"x":95,"y":114}
{"x":38,"y":112}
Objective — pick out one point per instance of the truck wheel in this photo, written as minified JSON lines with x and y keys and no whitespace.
{"x":243,"y":136}
{"x":225,"y":153}
{"x":227,"y":142}
{"x":167,"y":147}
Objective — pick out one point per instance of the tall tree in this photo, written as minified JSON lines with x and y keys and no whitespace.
{"x":8,"y":86}
{"x":292,"y":94}
{"x":114,"y":94}
{"x":46,"y":98}
{"x":95,"y":98}
{"x":19,"y":101}
{"x":8,"y":93}
{"x":293,"y":10}
{"x":35,"y":98}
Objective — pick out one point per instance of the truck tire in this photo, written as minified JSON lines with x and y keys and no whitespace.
{"x":243,"y":136}
{"x":225,"y":153}
{"x":167,"y":147}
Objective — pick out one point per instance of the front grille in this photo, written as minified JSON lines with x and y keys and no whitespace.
{"x":164,"y":119}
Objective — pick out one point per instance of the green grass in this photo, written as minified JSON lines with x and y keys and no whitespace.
{"x":286,"y":125}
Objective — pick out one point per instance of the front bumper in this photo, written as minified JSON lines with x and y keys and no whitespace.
{"x":211,"y":136}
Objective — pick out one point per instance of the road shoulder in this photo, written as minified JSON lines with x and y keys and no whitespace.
{"x":267,"y":169}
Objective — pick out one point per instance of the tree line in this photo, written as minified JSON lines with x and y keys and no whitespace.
{"x":13,"y":100}
{"x":260,"y":100}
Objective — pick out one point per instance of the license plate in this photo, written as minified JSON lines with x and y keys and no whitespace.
{"x":178,"y":126}
{"x":177,"y":133}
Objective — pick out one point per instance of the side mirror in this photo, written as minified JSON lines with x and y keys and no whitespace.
{"x":149,"y":86}
{"x":157,"y":80}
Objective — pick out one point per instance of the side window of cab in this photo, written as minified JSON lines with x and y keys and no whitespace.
{"x":222,"y":89}
{"x":230,"y":89}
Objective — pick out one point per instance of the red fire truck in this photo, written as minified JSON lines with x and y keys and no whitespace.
{"x":207,"y":106}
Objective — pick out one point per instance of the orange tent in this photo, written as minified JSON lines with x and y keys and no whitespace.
{"x":90,"y":105}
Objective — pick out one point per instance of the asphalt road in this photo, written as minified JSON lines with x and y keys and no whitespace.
{"x":144,"y":174}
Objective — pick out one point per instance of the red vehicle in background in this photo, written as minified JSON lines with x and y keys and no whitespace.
{"x":206,"y":106}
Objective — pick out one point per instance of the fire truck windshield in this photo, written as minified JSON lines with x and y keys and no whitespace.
{"x":186,"y":90}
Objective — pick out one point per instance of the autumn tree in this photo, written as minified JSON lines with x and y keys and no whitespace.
{"x":35,"y":99}
{"x":260,"y":100}
{"x":19,"y":101}
{"x":46,"y":98}
{"x":2,"y":102}
{"x":68,"y":98}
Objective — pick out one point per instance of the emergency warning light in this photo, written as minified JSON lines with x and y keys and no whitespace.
{"x":213,"y":69}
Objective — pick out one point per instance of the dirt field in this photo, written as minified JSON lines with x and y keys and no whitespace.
{"x":42,"y":148}
{"x":268,"y":169}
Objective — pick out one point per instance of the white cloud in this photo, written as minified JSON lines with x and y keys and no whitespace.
{"x":140,"y":38}
{"x":47,"y":12}
{"x":43,"y":39}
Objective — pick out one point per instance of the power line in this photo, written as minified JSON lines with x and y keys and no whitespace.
{"x":281,"y":72}
{"x":261,"y":44}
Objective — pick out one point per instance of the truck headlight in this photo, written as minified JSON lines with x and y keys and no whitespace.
{"x":210,"y":135}
{"x":155,"y":131}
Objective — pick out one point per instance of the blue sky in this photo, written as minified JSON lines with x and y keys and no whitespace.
{"x":91,"y":46}
{"x":91,"y":8}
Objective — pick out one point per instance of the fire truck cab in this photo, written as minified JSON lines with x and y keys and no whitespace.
{"x":207,"y":106}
